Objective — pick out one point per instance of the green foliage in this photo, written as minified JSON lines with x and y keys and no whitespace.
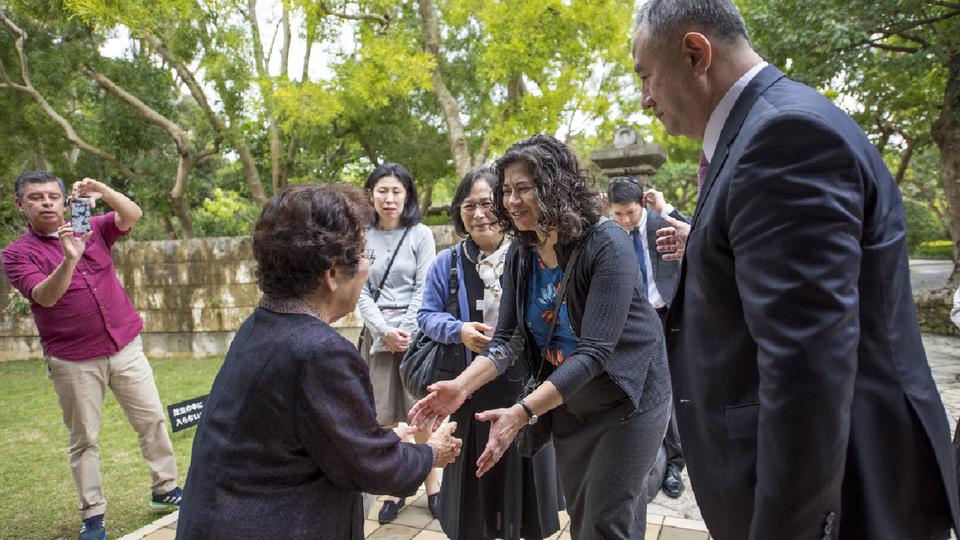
{"x":17,"y":304}
{"x":922,"y":225}
{"x":226,"y":213}
{"x":678,"y":182}
{"x":937,"y":249}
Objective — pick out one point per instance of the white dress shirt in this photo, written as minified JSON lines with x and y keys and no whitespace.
{"x":653,"y":294}
{"x":711,"y":135}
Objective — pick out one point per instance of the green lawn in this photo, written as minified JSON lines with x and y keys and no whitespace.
{"x":37,"y":495}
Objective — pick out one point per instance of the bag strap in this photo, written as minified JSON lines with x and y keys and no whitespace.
{"x":453,"y":284}
{"x":376,"y":292}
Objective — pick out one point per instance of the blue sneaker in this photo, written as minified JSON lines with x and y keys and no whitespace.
{"x":166,"y":501}
{"x":93,"y":529}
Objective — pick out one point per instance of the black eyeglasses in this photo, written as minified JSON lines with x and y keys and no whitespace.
{"x":471,"y":208}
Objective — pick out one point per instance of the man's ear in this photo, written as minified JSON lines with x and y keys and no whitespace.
{"x":18,"y":203}
{"x":698,"y":51}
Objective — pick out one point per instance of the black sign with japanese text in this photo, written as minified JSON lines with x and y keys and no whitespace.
{"x":186,"y":413}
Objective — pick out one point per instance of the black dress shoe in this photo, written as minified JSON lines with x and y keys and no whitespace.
{"x":433,"y":502}
{"x":672,"y":483}
{"x":389,"y":511}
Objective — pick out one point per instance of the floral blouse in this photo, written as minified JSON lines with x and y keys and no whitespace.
{"x":541,"y":300}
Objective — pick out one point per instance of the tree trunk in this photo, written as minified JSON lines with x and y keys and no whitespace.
{"x":451,"y":109}
{"x":250,"y":172}
{"x":905,"y":159}
{"x":946,"y":131}
{"x":178,"y":195}
{"x":169,"y":228}
{"x":426,"y":199}
{"x":266,"y":93}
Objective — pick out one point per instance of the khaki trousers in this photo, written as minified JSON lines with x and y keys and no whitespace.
{"x":81,"y":387}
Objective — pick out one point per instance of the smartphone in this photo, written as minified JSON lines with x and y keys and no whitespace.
{"x":80,"y":215}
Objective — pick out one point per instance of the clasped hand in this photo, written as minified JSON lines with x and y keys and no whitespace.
{"x":397,"y":340}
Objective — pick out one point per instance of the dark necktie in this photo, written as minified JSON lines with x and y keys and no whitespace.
{"x":702,"y":171}
{"x":641,"y":257}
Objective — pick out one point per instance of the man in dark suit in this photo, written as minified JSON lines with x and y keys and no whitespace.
{"x":804,"y":399}
{"x":628,"y":203}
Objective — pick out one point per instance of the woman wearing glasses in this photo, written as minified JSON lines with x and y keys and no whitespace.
{"x":596,"y":347}
{"x":519,"y":497}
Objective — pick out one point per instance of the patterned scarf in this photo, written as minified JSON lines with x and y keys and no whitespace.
{"x":490,"y":268}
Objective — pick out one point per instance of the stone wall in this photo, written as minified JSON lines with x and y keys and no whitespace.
{"x":192,"y":295}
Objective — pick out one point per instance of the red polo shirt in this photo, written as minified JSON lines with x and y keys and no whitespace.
{"x":94,"y":317}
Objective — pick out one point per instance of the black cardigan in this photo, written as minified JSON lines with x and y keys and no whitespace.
{"x":289,"y":439}
{"x":618,"y":331}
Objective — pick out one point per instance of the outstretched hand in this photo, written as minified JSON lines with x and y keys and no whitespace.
{"x":672,"y":240}
{"x":504,"y":426}
{"x":445,"y":397}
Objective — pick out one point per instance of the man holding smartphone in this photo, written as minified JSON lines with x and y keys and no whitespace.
{"x":90,"y":332}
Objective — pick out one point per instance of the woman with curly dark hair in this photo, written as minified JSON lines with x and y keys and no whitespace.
{"x":574,"y":309}
{"x":289,"y":437}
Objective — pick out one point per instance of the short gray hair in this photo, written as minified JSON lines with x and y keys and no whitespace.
{"x":663,"y":20}
{"x":37,"y":177}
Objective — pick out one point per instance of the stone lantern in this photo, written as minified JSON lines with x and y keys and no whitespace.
{"x":630,"y":157}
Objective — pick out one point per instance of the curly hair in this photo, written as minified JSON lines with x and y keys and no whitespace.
{"x":305,"y":230}
{"x":483,"y":174}
{"x":566,"y":197}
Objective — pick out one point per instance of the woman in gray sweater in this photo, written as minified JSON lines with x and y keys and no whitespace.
{"x":602,"y":379}
{"x":389,"y":301}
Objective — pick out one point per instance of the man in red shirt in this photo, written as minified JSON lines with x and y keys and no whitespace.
{"x":90,"y":333}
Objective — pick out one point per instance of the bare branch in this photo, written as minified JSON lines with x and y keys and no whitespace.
{"x":152,"y":116}
{"x":456,"y":134}
{"x":69,"y":132}
{"x":915,"y":38}
{"x":384,"y":19}
{"x":899,"y":30}
{"x":894,"y":48}
{"x":188,"y":79}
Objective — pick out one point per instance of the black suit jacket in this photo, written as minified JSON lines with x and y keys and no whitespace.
{"x":665,"y":273}
{"x":805,"y":403}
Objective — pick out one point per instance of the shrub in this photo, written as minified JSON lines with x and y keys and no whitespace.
{"x":922,"y":225}
{"x":226,"y":214}
{"x":938,"y":249}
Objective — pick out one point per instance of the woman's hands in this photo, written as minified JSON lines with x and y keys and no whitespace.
{"x":397,"y":340}
{"x":446,"y":447}
{"x":445,"y":397}
{"x":472,"y":335}
{"x":504,"y":426}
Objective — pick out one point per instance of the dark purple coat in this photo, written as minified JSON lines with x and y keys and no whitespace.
{"x":289,"y":439}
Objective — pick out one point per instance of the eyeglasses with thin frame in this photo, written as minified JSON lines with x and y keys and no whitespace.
{"x":369,"y":255}
{"x":470,"y":208}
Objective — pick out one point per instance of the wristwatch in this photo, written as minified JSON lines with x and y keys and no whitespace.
{"x":526,"y":408}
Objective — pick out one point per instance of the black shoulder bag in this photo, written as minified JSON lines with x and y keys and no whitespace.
{"x":532,"y":438}
{"x":427,"y":361}
{"x":376,"y":292}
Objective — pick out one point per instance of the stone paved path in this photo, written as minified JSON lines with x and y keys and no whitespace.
{"x":668,"y":519}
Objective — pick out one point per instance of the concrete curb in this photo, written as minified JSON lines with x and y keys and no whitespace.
{"x":153,"y":527}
